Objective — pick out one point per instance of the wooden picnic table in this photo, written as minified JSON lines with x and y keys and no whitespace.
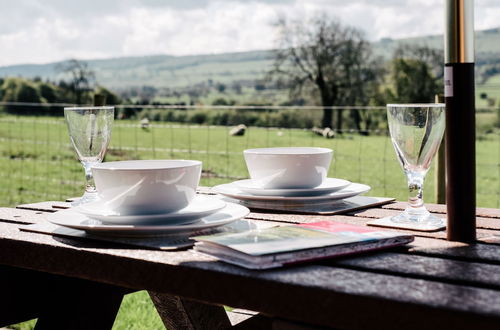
{"x":79,"y":283}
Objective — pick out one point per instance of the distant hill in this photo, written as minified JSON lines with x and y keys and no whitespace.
{"x":182,"y":71}
{"x":487,"y":42}
{"x":161,"y":70}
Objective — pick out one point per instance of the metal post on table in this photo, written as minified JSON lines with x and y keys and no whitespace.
{"x":460,"y":120}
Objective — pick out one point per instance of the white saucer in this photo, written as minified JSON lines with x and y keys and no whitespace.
{"x":200,"y":206}
{"x":71,"y":219}
{"x":233,"y":191}
{"x":329,"y":185}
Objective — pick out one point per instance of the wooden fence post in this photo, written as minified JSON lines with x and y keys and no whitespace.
{"x":99,"y":100}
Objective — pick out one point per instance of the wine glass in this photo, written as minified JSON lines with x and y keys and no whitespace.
{"x":416,"y":132}
{"x":90,"y":132}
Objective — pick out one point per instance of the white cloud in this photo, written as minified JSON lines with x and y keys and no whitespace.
{"x":36,"y":31}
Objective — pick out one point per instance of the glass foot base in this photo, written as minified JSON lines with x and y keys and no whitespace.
{"x":86,"y":198}
{"x":417,"y":216}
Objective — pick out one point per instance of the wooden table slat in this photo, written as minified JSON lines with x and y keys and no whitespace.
{"x":441,"y":208}
{"x":478,"y":251}
{"x":21,"y":216}
{"x":376,"y":213}
{"x":481,"y":251}
{"x":49,"y":206}
{"x":425,"y":267}
{"x":482,"y":234}
{"x":299,"y":288}
{"x":400,"y":288}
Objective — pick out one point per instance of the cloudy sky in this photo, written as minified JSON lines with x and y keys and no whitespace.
{"x":42,"y":31}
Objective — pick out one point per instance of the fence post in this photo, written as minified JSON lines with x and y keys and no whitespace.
{"x":99,"y":100}
{"x":440,"y":174}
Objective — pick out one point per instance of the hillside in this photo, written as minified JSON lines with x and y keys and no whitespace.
{"x":487,"y":44}
{"x":163,"y":71}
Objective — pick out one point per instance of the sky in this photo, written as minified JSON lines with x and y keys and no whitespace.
{"x":43,"y":31}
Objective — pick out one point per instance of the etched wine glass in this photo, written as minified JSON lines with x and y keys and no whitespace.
{"x":90,"y":132}
{"x":416,"y":132}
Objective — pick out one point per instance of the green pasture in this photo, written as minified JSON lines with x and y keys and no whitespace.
{"x":38,"y":163}
{"x":492,"y":91}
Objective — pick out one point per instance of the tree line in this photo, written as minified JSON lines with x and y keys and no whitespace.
{"x":335,"y":65}
{"x":319,"y":61}
{"x":79,"y":88}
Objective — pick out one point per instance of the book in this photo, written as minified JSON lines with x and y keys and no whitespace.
{"x":279,"y":246}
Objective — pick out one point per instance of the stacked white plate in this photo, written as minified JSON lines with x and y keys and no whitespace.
{"x":202,"y":213}
{"x":251,"y":194}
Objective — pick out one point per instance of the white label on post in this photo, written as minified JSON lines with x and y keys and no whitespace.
{"x":448,"y":81}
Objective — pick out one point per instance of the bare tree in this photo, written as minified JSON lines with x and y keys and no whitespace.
{"x":322,"y":55}
{"x":82,"y":78}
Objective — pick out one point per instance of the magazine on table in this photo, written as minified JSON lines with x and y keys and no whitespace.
{"x":283,"y":245}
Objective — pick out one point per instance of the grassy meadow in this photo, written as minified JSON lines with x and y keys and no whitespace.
{"x":38,"y":163}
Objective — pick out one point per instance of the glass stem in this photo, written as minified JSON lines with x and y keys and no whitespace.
{"x":415,"y":190}
{"x":90,"y":185}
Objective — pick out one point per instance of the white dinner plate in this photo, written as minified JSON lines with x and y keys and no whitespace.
{"x":329,"y":185}
{"x":200,"y":206}
{"x":231,"y":190}
{"x":71,"y":219}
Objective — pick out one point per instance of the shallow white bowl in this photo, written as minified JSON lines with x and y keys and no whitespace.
{"x":288,"y":168}
{"x":147,"y":186}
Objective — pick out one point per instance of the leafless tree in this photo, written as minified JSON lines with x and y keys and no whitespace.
{"x":322,"y":55}
{"x":82,"y":78}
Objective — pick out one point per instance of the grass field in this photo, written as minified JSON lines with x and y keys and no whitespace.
{"x":38,"y":163}
{"x":492,"y":90}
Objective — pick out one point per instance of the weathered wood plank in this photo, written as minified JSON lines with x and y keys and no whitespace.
{"x":486,"y":253}
{"x":481,"y":252}
{"x":184,"y":314}
{"x":50,"y":206}
{"x":21,"y":216}
{"x":291,"y":293}
{"x":25,"y":216}
{"x":424,"y":267}
{"x":441,"y":208}
{"x":376,"y":213}
{"x":482,"y":234}
{"x":304,"y":218}
{"x":30,"y":216}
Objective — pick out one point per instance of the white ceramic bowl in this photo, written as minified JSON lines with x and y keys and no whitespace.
{"x":147,"y":186}
{"x":288,"y":168}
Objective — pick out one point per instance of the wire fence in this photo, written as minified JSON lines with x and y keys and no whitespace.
{"x":37,"y":161}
